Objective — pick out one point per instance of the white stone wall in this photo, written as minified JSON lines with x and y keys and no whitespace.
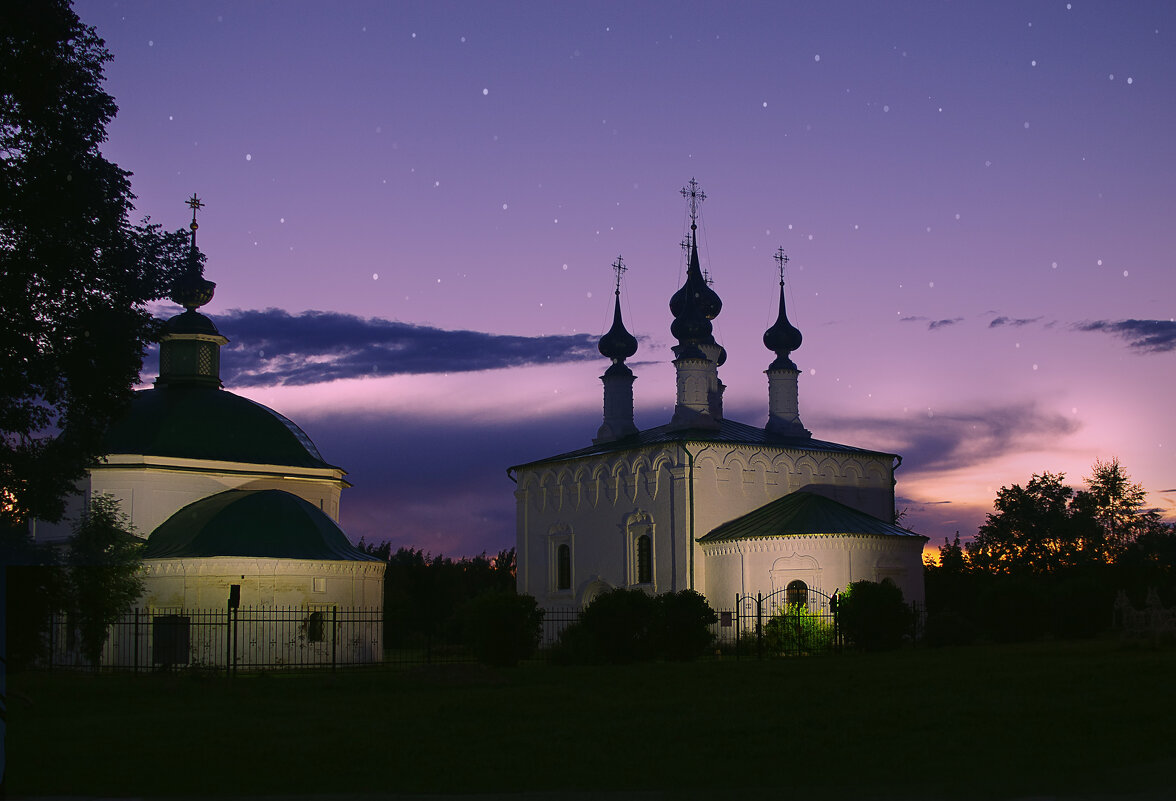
{"x":591,"y":504}
{"x":827,"y":563}
{"x":598,"y":507}
{"x":203,"y":583}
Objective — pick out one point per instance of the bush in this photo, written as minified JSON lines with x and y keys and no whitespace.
{"x":683,"y":624}
{"x":623,"y":626}
{"x":501,"y":628}
{"x":873,"y":615}
{"x":796,"y":631}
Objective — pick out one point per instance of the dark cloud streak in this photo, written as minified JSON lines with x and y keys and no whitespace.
{"x":1143,"y":336}
{"x":273,"y":348}
{"x":1013,"y":321}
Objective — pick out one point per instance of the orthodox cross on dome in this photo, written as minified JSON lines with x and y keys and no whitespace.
{"x":195,"y":204}
{"x":781,"y":260}
{"x":191,"y":289}
{"x":694,"y":196}
{"x":620,"y":269}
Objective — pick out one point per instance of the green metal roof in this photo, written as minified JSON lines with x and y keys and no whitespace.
{"x":729,"y":431}
{"x":264,"y":523}
{"x":203,"y":422}
{"x":800,"y":513}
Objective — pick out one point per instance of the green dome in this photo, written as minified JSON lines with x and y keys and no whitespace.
{"x":204,"y":422}
{"x":262,"y":523}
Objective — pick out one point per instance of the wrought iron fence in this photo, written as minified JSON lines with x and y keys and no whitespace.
{"x":256,"y":638}
{"x":228,"y":639}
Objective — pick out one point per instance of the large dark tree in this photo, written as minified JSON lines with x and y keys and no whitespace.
{"x":1039,"y":528}
{"x":75,"y":273}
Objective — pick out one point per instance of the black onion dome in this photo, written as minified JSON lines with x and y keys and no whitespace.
{"x":695,"y":295}
{"x":618,"y":344}
{"x":692,"y":329}
{"x":782,"y":338}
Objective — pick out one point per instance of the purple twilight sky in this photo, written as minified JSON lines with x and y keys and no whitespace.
{"x":412,"y":209}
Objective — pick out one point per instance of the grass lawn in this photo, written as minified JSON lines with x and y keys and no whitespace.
{"x":1043,"y":719}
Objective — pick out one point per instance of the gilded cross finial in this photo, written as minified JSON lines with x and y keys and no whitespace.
{"x":694,"y":196}
{"x":619,"y":268}
{"x":195,"y":204}
{"x":781,"y":260}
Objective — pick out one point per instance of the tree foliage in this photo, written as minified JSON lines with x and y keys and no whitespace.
{"x":104,"y":563}
{"x":1039,"y":528}
{"x":75,"y":274}
{"x":1117,"y":504}
{"x":1051,"y":559}
{"x":423,"y":592}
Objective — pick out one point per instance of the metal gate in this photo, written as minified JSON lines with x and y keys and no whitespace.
{"x":795,"y":620}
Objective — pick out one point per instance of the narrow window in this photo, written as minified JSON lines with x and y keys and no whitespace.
{"x":563,"y":579}
{"x":796,"y":593}
{"x":314,"y":627}
{"x":644,"y":559}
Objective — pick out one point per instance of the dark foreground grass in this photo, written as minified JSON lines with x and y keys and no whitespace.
{"x":1069,"y":719}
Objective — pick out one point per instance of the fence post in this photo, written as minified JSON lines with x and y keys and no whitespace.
{"x":737,"y":654}
{"x":834,"y":603}
{"x":759,"y":625}
{"x":229,"y":639}
{"x":334,"y":635}
{"x":135,"y":640}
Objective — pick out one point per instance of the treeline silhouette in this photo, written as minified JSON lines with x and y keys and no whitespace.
{"x":424,"y":594}
{"x":1050,"y":561}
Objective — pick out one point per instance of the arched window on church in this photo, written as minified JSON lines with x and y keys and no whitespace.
{"x":639,"y":551}
{"x":563,"y":568}
{"x":796,"y":593}
{"x":644,"y":559}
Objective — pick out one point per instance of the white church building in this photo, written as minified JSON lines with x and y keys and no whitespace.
{"x":704,"y":502}
{"x":227,"y":492}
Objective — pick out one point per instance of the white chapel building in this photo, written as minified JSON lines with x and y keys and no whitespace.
{"x":226,"y":491}
{"x":704,"y":502}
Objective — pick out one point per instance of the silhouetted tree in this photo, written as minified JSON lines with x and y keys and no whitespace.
{"x":1042,"y":527}
{"x":1118,"y":505}
{"x":75,"y":274}
{"x":104,"y":581}
{"x":422,"y":592}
